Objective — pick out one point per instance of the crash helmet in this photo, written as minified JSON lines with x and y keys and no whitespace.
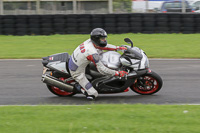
{"x":98,"y":37}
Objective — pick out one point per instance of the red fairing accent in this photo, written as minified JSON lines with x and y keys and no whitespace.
{"x":106,"y":48}
{"x":116,"y":73}
{"x":126,"y":90}
{"x":90,"y":58}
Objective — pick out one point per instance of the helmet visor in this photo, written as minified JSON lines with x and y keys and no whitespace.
{"x":103,"y":39}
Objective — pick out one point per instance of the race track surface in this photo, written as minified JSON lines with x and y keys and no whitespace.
{"x":21,"y":84}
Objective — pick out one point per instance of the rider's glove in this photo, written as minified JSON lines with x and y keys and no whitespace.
{"x":121,"y":73}
{"x":121,"y":48}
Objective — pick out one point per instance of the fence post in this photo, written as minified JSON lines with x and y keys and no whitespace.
{"x":183,"y":6}
{"x":1,"y":7}
{"x":110,"y":6}
{"x":38,"y":6}
{"x":147,"y":5}
{"x":74,"y":6}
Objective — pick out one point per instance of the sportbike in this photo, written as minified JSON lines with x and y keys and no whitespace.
{"x":140,"y":78}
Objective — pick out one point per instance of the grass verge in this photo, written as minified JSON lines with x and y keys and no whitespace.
{"x":100,"y":119}
{"x":155,"y":45}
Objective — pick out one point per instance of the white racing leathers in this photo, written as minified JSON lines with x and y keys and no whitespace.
{"x":81,"y":57}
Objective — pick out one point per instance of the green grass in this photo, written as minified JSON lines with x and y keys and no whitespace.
{"x":100,"y":119}
{"x":155,"y":45}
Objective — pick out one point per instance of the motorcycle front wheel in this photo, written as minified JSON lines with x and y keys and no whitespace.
{"x":147,"y":84}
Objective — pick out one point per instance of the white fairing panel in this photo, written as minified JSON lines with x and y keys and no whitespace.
{"x":60,"y":66}
{"x":136,"y":63}
{"x":111,"y":59}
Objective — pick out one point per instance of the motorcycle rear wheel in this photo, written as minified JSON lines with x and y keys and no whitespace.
{"x":57,"y":91}
{"x":147,"y":84}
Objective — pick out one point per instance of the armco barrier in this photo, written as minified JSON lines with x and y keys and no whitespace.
{"x":112,"y":23}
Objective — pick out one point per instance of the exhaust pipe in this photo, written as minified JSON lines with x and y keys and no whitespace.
{"x":50,"y":80}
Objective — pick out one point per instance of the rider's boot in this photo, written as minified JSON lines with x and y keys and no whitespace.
{"x":90,"y":96}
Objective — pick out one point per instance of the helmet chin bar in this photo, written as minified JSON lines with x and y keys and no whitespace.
{"x":103,"y":43}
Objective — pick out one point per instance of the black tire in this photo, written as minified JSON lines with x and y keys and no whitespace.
{"x":197,"y":20}
{"x":109,"y":20}
{"x":120,"y":24}
{"x":84,"y":24}
{"x":189,"y":20}
{"x":122,"y":19}
{"x":110,"y":30}
{"x":96,"y":20}
{"x":175,"y":28}
{"x":9,"y":26}
{"x":21,"y":30}
{"x":84,"y":20}
{"x":59,"y":92}
{"x":21,"y":21}
{"x":34,"y":21}
{"x":97,"y":25}
{"x":149,"y":28}
{"x":136,"y":29}
{"x":187,"y":24}
{"x":59,"y":20}
{"x":59,"y":25}
{"x":162,"y":24}
{"x":188,"y":28}
{"x":72,"y":24}
{"x":175,"y":19}
{"x":21,"y":33}
{"x":174,"y":24}
{"x":8,"y":21}
{"x":18,"y":25}
{"x":84,"y":30}
{"x":136,"y":19}
{"x":147,"y":84}
{"x":135,"y":24}
{"x":9,"y":31}
{"x":149,"y":24}
{"x":123,"y":29}
{"x":46,"y":25}
{"x":162,"y":29}
{"x":110,"y":24}
{"x":148,"y":19}
{"x":71,"y":20}
{"x":32,"y":25}
{"x":43,"y":20}
{"x":162,"y":19}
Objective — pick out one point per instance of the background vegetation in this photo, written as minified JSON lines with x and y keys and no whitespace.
{"x":155,"y":45}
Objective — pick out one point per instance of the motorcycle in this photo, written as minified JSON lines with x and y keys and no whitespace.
{"x":140,"y":78}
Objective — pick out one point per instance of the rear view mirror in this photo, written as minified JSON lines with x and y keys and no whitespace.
{"x":127,"y":40}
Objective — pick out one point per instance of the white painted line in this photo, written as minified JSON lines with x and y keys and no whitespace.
{"x":162,"y":59}
{"x":149,"y":59}
{"x":18,"y":59}
{"x":90,"y":104}
{"x":43,"y":105}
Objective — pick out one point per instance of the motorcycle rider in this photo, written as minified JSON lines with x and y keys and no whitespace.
{"x":88,"y":52}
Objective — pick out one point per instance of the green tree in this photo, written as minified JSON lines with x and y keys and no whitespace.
{"x":122,"y":6}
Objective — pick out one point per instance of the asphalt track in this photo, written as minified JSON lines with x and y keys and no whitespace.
{"x":20,"y":84}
